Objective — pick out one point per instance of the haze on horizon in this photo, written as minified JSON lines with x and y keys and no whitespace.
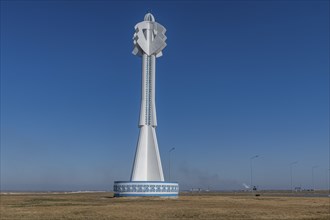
{"x":237,"y":79}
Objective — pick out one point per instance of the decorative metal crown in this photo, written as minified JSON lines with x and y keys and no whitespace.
{"x":153,"y":46}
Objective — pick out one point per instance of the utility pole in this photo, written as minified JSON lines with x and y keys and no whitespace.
{"x":291,"y":164}
{"x":169,"y":163}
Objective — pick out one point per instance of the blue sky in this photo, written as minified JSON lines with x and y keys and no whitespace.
{"x":238,"y":78}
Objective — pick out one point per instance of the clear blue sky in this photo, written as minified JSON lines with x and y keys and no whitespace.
{"x":238,"y":78}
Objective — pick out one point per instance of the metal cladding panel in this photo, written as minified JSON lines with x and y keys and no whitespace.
{"x":153,"y":92}
{"x":156,"y":162}
{"x":143,"y":92}
{"x":139,"y":171}
{"x":147,"y":164}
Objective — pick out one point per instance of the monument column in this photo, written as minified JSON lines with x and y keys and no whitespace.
{"x":147,"y":178}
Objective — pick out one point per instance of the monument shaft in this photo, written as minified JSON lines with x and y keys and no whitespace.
{"x":148,"y":106}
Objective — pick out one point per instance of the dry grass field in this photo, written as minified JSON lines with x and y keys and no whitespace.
{"x":187,"y":206}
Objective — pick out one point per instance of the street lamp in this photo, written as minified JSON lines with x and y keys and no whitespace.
{"x":291,"y":164}
{"x":314,"y":167}
{"x":329,"y":183}
{"x":327,"y":179}
{"x":251,"y":170}
{"x":169,"y":163}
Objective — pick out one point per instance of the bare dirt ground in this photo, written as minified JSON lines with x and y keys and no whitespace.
{"x":188,"y":206}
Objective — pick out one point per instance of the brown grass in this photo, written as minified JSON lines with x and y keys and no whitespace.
{"x":200,"y":206}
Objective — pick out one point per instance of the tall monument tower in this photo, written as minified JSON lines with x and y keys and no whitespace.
{"x":147,"y":178}
{"x":149,"y":41}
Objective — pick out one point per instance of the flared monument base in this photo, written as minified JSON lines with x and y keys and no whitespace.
{"x":145,"y":188}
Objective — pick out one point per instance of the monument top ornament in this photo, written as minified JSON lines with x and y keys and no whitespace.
{"x":152,"y":44}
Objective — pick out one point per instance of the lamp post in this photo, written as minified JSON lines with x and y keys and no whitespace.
{"x":327,"y":178}
{"x":313,"y":168}
{"x":169,"y":163}
{"x":291,"y":164}
{"x":328,"y":182}
{"x":251,"y":182}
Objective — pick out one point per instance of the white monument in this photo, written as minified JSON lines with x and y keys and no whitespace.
{"x":147,"y":178}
